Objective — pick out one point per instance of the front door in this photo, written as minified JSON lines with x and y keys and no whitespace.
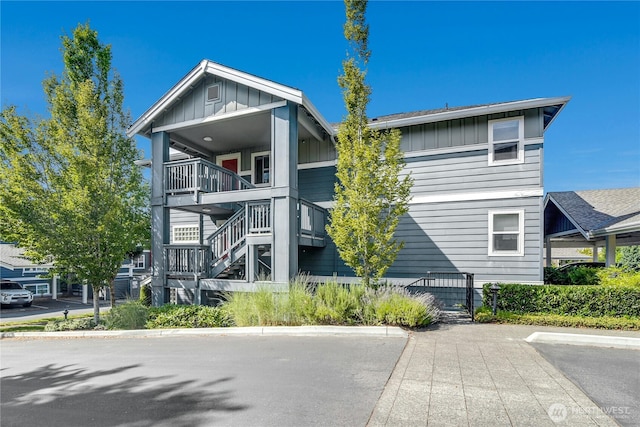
{"x":230,"y":164}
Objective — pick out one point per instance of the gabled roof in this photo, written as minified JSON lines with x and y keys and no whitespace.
{"x":597,"y":213}
{"x":209,"y":67}
{"x":12,"y":257}
{"x":551,"y":106}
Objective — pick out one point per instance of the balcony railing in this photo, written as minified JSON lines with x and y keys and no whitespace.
{"x":199,"y":175}
{"x":187,"y":260}
{"x":312,"y":220}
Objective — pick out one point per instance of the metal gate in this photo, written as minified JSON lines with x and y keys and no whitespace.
{"x":453,"y":289}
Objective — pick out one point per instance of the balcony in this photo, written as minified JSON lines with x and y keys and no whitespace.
{"x":195,"y":176}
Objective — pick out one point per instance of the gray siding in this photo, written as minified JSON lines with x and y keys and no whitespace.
{"x":316,"y":185}
{"x":454,"y":236}
{"x":469,"y":172}
{"x":233,"y":97}
{"x":312,"y":150}
{"x":185,"y":218}
{"x":464,"y":132}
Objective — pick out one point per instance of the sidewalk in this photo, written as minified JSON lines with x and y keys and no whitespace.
{"x":480,"y":375}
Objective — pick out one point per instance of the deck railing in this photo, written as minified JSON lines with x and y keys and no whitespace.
{"x":312,"y":220}
{"x":259,"y":217}
{"x":187,"y":260}
{"x":199,"y":175}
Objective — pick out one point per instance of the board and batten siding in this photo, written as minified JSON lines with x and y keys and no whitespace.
{"x":433,"y":136}
{"x":178,"y":217}
{"x":233,"y":97}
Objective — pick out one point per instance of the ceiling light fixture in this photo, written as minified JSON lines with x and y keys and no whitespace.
{"x":208,"y":138}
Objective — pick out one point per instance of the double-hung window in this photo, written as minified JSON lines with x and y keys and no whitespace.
{"x":506,"y":233}
{"x":506,"y":141}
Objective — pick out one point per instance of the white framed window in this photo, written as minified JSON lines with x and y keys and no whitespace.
{"x":261,"y":168}
{"x":139,"y":262}
{"x":186,"y":234}
{"x":213,"y":93}
{"x":506,"y":233}
{"x":506,"y":141}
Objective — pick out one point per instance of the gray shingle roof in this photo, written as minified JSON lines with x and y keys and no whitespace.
{"x":595,"y":210}
{"x":13,"y":257}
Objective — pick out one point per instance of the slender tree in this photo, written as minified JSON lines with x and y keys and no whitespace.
{"x":370,"y":195}
{"x":69,"y":188}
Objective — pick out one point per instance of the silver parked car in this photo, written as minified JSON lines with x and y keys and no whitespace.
{"x":12,"y":293}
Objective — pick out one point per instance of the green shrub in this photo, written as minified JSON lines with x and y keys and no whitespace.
{"x":613,"y":301}
{"x":84,"y":323}
{"x":332,"y":304}
{"x":484,"y":315}
{"x":577,"y":275}
{"x":337,"y":304}
{"x":187,"y":316}
{"x":130,"y":315}
{"x":613,"y":276}
{"x":145,"y":295}
{"x":402,"y":310}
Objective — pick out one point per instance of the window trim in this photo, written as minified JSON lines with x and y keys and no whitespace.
{"x":184,"y":242}
{"x":520,"y":251}
{"x":520,"y":142}
{"x":253,"y":167}
{"x":206,"y":94}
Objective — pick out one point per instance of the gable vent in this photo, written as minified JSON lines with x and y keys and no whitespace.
{"x":213,"y":93}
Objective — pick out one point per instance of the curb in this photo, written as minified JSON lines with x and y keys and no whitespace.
{"x":627,"y":343}
{"x":371,"y":331}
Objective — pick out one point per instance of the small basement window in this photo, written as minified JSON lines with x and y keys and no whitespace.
{"x":506,"y":233}
{"x":506,"y":141}
{"x":213,"y":93}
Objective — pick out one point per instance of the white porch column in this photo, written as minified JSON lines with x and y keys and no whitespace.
{"x":611,"y":250}
{"x":85,"y":293}
{"x":595,"y":253}
{"x":54,"y":285}
{"x":549,"y":262}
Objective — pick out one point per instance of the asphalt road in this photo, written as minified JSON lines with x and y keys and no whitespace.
{"x":609,"y":376}
{"x":47,"y":307}
{"x":194,"y":381}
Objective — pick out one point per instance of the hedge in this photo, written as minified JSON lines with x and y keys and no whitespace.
{"x":568,"y":300}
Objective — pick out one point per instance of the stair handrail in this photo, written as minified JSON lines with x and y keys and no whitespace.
{"x":229,"y":236}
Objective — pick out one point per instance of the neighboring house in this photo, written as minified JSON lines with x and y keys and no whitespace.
{"x":251,"y":201}
{"x":18,"y":268}
{"x":592,"y":218}
{"x":15,"y":266}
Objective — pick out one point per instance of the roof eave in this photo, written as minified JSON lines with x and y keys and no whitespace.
{"x":473,"y":111}
{"x":584,"y":233}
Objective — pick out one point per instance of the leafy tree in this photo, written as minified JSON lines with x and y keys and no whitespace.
{"x":629,"y":258}
{"x":69,"y":188}
{"x":370,"y":197}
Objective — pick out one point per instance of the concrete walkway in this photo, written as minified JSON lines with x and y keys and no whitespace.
{"x":468,"y":374}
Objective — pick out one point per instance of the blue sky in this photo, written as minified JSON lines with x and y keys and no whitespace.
{"x":424,"y":55}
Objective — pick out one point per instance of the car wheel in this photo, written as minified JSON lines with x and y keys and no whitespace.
{"x":27,"y":304}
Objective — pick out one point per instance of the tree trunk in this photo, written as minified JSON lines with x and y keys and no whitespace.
{"x":96,"y":305}
{"x":112,"y":292}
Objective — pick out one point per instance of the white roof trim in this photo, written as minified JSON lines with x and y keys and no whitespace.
{"x":469,"y":112}
{"x":210,"y":67}
{"x":580,"y":229}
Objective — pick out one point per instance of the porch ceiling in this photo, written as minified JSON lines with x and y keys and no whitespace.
{"x":237,"y":133}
